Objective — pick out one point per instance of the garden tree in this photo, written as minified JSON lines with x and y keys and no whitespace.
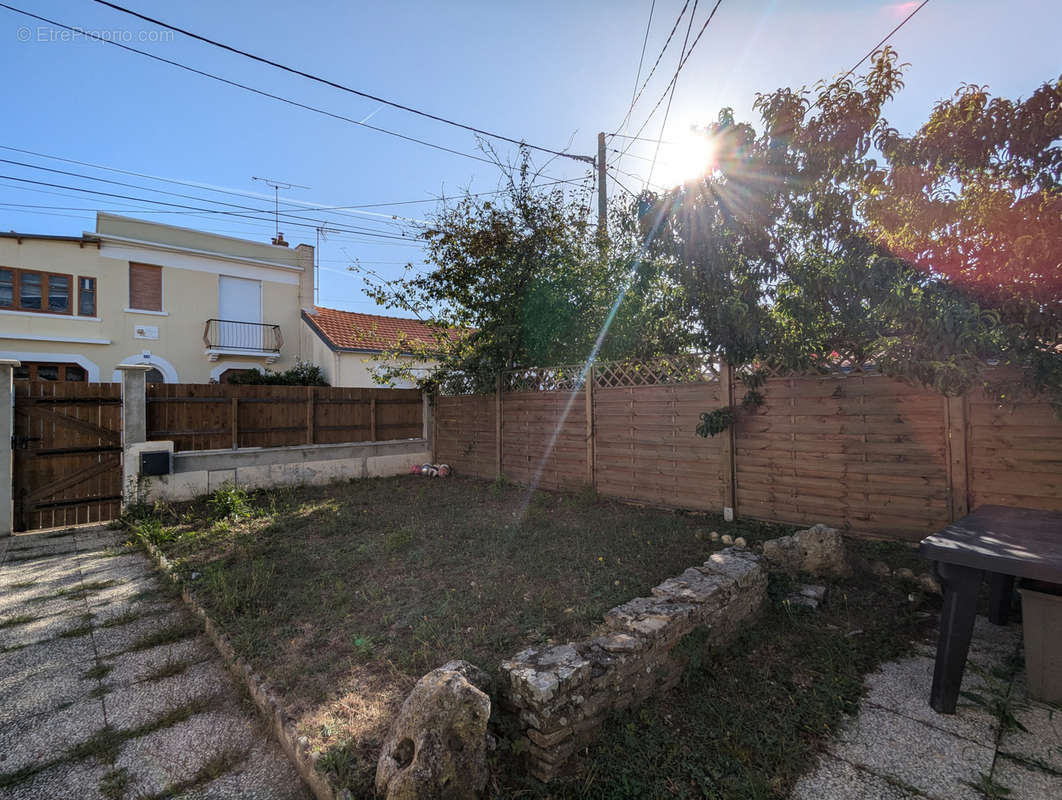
{"x":975,"y":195}
{"x":777,"y":262}
{"x":522,"y":280}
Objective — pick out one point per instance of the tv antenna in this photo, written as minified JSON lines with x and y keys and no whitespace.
{"x":277,"y":186}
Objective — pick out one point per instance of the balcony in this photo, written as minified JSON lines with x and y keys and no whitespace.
{"x":232,"y":337}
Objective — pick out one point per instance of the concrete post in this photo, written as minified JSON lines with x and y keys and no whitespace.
{"x":7,"y":418}
{"x":134,"y":425}
{"x":134,"y":403}
{"x":427,"y":422}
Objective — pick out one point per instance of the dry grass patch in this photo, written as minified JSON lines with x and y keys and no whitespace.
{"x":343,"y":596}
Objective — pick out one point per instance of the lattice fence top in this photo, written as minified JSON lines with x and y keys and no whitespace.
{"x":659,"y":371}
{"x":836,"y":365}
{"x":561,"y":378}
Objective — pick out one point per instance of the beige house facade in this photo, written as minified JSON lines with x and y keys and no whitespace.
{"x":351,"y":348}
{"x":189,"y":304}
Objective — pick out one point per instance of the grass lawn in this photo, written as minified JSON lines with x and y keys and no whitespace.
{"x":343,"y":596}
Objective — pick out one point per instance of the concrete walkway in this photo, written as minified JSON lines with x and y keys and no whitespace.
{"x":897,"y":747}
{"x":108,"y":688}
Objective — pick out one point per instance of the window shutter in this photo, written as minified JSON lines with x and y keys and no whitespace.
{"x":145,"y":287}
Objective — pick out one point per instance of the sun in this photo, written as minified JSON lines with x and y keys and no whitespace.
{"x":690,"y":156}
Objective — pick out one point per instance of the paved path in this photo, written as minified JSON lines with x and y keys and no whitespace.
{"x":109,"y":690}
{"x":897,"y":747}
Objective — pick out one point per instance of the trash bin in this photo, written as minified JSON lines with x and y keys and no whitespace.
{"x":1041,"y":611}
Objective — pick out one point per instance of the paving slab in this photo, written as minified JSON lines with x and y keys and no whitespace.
{"x":1041,"y":740}
{"x":37,"y":740}
{"x":48,"y":705}
{"x":903,"y":687}
{"x":120,"y":638}
{"x":834,"y":779}
{"x":1027,"y":783}
{"x":137,"y":704}
{"x":78,"y":779}
{"x":73,"y":652}
{"x":176,"y":754}
{"x":30,"y":692}
{"x":129,"y":668}
{"x":934,"y":762}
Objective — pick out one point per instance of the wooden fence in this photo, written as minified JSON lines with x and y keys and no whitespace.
{"x":219,"y":416}
{"x":852,"y":449}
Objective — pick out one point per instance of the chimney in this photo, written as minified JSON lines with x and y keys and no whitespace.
{"x":278,"y":240}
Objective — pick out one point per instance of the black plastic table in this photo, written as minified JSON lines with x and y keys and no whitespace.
{"x":1001,"y":543}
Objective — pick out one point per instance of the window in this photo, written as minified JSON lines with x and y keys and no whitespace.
{"x":145,"y":287}
{"x":29,"y":290}
{"x":34,"y":371}
{"x":86,"y":297}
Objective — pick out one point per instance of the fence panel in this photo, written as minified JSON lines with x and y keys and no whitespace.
{"x":865,"y":453}
{"x":1014,"y":454}
{"x":465,"y":434}
{"x":646,"y":449}
{"x":218,"y":416}
{"x":544,"y":438}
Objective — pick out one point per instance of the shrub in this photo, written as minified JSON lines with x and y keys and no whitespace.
{"x":304,"y":373}
{"x":229,"y":502}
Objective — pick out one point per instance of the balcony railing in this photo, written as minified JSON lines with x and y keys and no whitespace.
{"x":247,"y":337}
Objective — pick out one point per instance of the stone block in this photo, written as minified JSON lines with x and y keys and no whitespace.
{"x":539,"y":675}
{"x":819,"y":550}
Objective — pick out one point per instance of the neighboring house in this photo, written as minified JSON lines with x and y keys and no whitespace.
{"x":348,"y":346}
{"x":192,"y":305}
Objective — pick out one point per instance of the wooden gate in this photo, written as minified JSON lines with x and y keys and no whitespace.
{"x":67,"y":453}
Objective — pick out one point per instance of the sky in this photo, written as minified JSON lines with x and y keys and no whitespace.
{"x":552,"y":73}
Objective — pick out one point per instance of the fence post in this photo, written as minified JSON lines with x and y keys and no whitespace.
{"x":235,"y":417}
{"x":726,"y":397}
{"x":309,"y":414}
{"x":588,"y":385}
{"x":7,"y":418}
{"x":958,"y":484}
{"x":134,"y":425}
{"x":372,"y":419}
{"x":498,"y":426}
{"x":425,"y":401}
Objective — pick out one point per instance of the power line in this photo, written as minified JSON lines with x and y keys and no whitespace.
{"x":876,"y":47}
{"x":184,"y":206}
{"x":252,"y":196}
{"x":618,"y":135}
{"x":340,"y":86}
{"x":641,"y":61}
{"x":659,"y":56}
{"x":682,"y":63}
{"x":245,"y":87}
{"x":674,"y":84}
{"x":289,"y":217}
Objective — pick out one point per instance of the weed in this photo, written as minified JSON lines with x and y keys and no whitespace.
{"x":398,"y":540}
{"x":20,"y":619}
{"x":100,"y":691}
{"x":167,"y":669}
{"x":168,"y":635}
{"x":229,"y":502}
{"x":98,"y":672}
{"x":24,"y":584}
{"x":218,"y":764}
{"x":78,"y":590}
{"x":988,"y":787}
{"x":114,"y":783}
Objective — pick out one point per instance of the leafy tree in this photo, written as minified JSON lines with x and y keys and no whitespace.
{"x":778,"y":264}
{"x":975,"y":196}
{"x":522,"y":280}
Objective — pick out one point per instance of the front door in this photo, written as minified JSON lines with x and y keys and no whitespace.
{"x":240,"y":313}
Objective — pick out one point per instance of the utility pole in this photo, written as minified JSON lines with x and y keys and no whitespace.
{"x":602,"y":191}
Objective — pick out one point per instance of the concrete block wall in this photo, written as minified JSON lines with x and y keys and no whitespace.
{"x":563,"y":693}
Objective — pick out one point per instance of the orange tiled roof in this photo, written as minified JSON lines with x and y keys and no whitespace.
{"x":349,"y":330}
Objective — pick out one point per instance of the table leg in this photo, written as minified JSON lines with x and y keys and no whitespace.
{"x":999,"y":603}
{"x":960,"y":586}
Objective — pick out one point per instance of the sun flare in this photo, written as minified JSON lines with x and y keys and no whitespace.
{"x":691,"y":156}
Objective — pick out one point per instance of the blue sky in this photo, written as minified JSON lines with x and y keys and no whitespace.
{"x":547,"y":72}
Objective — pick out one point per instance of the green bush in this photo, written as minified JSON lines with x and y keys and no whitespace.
{"x":304,"y":373}
{"x":229,"y":502}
